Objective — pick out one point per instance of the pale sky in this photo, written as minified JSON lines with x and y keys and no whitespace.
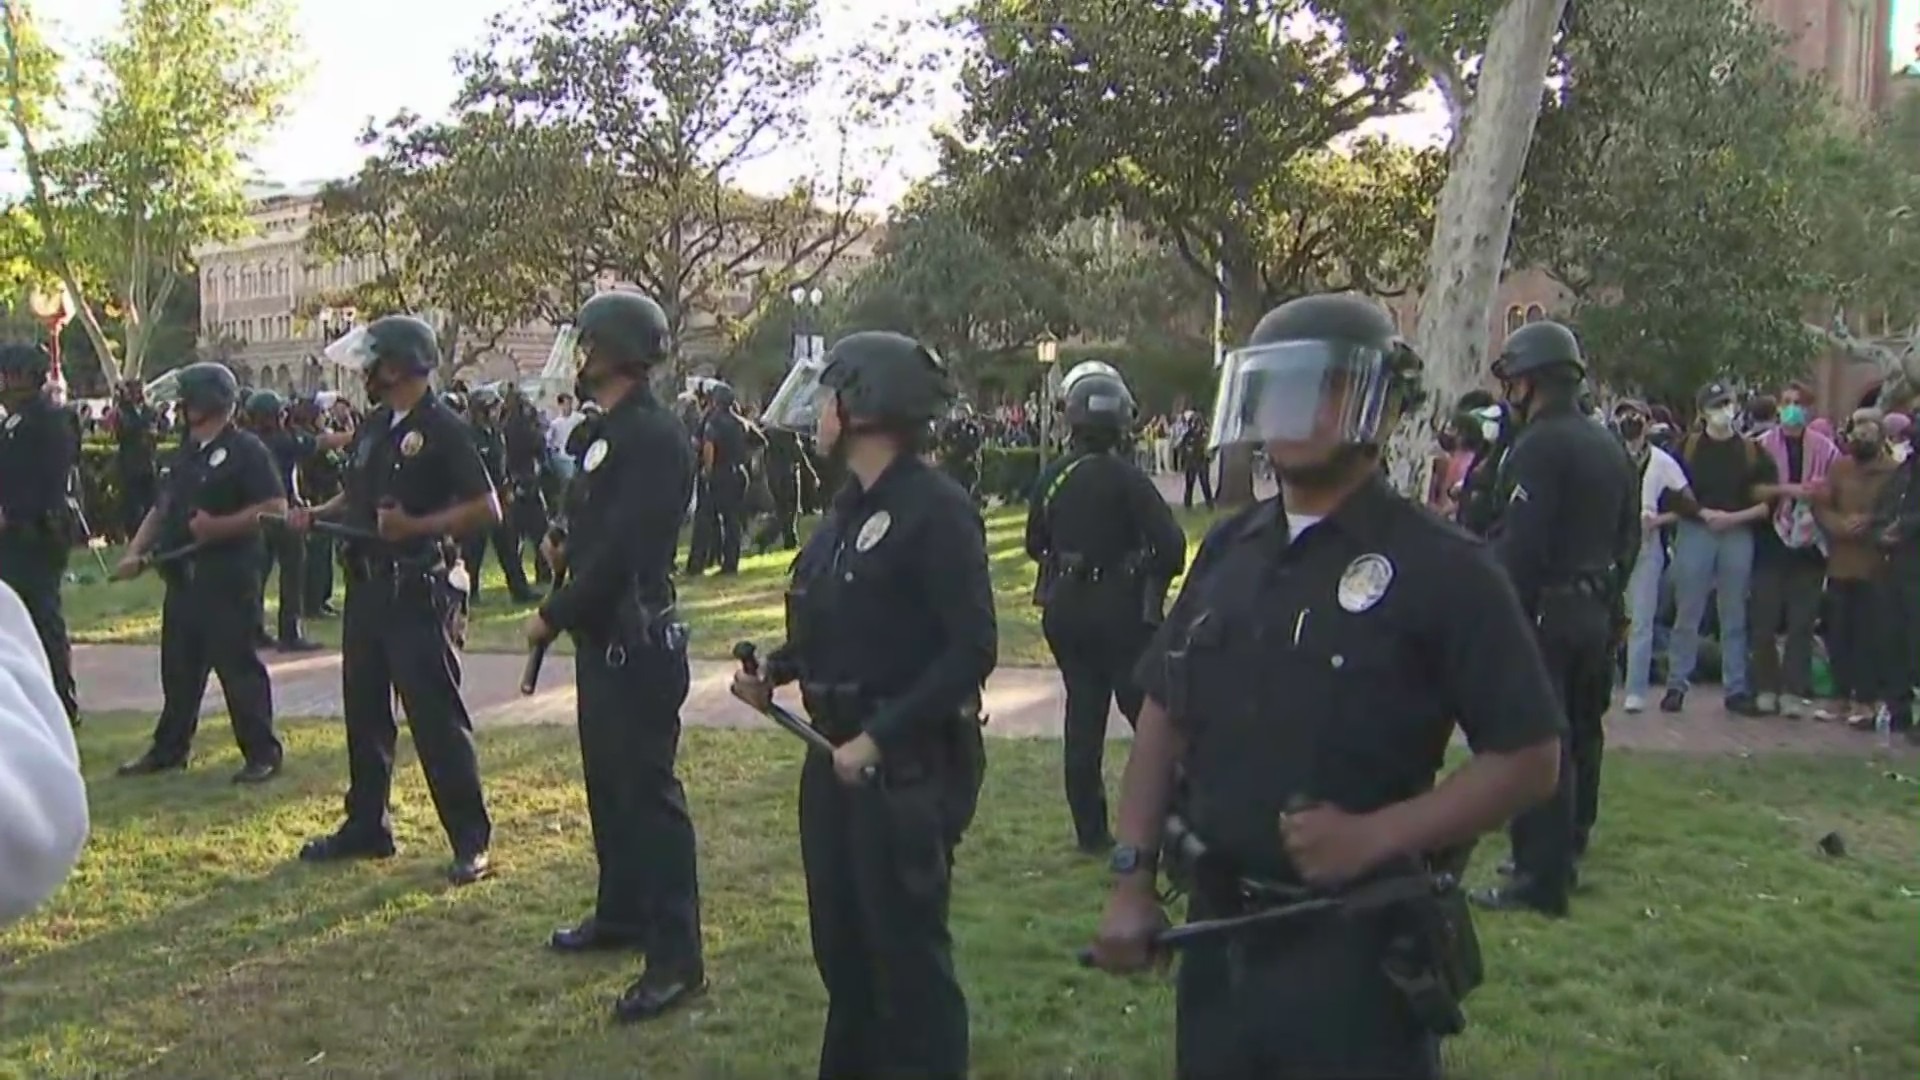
{"x":371,"y":58}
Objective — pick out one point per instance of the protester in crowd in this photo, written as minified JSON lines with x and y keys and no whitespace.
{"x":1789,"y":560}
{"x":1663,"y":494}
{"x":1899,"y":436}
{"x":1861,"y":624}
{"x":43,"y":800}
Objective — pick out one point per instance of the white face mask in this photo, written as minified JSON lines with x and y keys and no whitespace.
{"x":1721,"y":417}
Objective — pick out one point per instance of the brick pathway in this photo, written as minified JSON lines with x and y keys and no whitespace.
{"x":1023,"y":702}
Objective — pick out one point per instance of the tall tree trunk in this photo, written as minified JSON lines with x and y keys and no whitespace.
{"x":1475,"y":215}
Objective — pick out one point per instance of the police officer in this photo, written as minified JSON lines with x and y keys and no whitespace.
{"x":789,"y":469}
{"x":1570,"y":524}
{"x":416,"y":481}
{"x":1487,"y":428}
{"x":484,"y":413}
{"x":727,"y":445}
{"x":631,"y":664}
{"x":1307,"y":681}
{"x":525,"y":438}
{"x":1108,"y":547}
{"x":292,"y":449}
{"x":212,"y":494}
{"x":37,"y":456}
{"x":890,"y":633}
{"x":136,"y":449}
{"x":319,"y":479}
{"x":960,"y":443}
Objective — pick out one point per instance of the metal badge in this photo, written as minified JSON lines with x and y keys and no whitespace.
{"x":873,"y":531}
{"x":1365,"y":581}
{"x":411,"y":444}
{"x":595,"y":456}
{"x":1519,"y":494}
{"x":13,"y":422}
{"x":218,"y":456}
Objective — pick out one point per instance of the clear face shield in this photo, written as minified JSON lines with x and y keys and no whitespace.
{"x":354,"y":351}
{"x":1327,"y":392}
{"x":796,"y":405}
{"x":1086,"y":368}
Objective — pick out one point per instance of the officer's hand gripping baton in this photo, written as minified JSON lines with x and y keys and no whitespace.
{"x":537,"y":652}
{"x":327,"y":528}
{"x":750,"y":663}
{"x":1369,"y":897}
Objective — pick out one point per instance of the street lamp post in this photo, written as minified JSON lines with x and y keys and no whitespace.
{"x":1047,"y":351}
{"x":55,"y":309}
{"x":806,"y":344}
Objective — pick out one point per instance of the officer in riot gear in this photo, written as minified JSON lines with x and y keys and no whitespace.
{"x":213,"y":492}
{"x":1323,"y":647}
{"x":1567,"y":536}
{"x":37,"y":529}
{"x":1108,"y":547}
{"x":484,"y":414}
{"x":727,"y":444}
{"x":319,"y":478}
{"x":266,"y":414}
{"x":960,"y":443}
{"x":890,"y":634}
{"x":415,"y":484}
{"x":136,"y":435}
{"x":631,"y":669}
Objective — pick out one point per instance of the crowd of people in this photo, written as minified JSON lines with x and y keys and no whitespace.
{"x":1801,"y":533}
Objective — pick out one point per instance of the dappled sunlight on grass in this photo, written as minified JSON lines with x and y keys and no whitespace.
{"x":1710,"y":940}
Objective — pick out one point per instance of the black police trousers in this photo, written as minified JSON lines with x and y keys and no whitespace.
{"x":1305,"y":1001}
{"x":289,"y":549}
{"x":206,"y":627}
{"x":879,"y":863}
{"x":505,"y":540}
{"x":319,"y":573}
{"x":402,"y":634}
{"x":34,"y":564}
{"x":138,"y":488}
{"x":703,"y":543}
{"x":1198,"y":473}
{"x":729,"y":491}
{"x":643,"y":839}
{"x":1573,"y":632}
{"x":1096,"y":635}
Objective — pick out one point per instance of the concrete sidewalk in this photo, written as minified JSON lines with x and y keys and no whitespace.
{"x":1023,"y":702}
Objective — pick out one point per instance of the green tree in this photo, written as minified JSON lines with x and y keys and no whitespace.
{"x":1673,"y":191}
{"x":427,"y":210}
{"x":651,"y":111}
{"x":186,"y":89}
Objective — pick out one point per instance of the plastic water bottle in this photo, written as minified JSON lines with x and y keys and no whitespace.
{"x":1883,"y":725}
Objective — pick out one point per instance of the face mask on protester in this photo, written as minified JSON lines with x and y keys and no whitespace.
{"x":1793,"y":415}
{"x":1720,"y":417}
{"x":1632,"y":427}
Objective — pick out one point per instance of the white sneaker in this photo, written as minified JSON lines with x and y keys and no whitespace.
{"x":1634,"y":703}
{"x":1767,"y":703}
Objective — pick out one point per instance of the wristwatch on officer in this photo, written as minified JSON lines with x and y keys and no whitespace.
{"x":1127,"y":859}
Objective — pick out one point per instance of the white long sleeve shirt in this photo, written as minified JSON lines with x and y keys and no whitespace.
{"x":43,"y":799}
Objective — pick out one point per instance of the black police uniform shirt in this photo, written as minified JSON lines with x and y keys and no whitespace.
{"x":1100,"y":507}
{"x":728,"y":436}
{"x":1333,"y":665}
{"x":135,"y":439}
{"x":37,"y":454}
{"x":899,"y":601}
{"x":629,"y":501}
{"x":222,"y":476}
{"x":493,"y":451}
{"x":425,"y":459}
{"x":291,"y":449}
{"x":1573,"y":512}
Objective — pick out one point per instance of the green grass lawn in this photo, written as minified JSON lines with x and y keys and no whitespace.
{"x":1712,"y":940}
{"x":721,"y":610}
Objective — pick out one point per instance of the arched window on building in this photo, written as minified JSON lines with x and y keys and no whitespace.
{"x":1535,"y":313}
{"x":1516,"y":318}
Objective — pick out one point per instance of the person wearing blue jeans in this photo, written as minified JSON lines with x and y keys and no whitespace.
{"x":1733,"y":482}
{"x":1663,"y":496}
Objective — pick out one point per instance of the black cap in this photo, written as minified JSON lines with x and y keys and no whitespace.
{"x":1714,"y":393}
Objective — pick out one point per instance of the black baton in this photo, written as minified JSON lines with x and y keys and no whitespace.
{"x":750,"y":663}
{"x":1369,"y":897}
{"x":162,"y":558}
{"x":327,"y":528}
{"x":537,"y":652}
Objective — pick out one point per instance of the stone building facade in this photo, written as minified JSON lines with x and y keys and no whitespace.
{"x":258,"y":296}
